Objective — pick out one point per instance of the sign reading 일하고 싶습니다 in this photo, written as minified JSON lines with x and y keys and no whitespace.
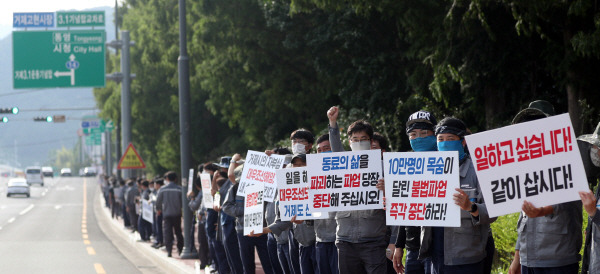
{"x":344,"y":180}
{"x":293,"y":195}
{"x":259,"y":168}
{"x":419,"y":188}
{"x":253,"y":209}
{"x":537,"y":161}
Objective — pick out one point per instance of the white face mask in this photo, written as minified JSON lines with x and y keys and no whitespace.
{"x":298,"y":148}
{"x":595,"y":156}
{"x":362,"y":145}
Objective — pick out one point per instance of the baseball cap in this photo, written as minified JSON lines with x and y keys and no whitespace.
{"x":420,"y":120}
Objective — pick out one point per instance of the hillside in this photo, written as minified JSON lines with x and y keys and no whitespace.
{"x":32,"y":141}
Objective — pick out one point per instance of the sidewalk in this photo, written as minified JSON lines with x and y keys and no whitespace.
{"x":135,"y":251}
{"x":128,"y":244}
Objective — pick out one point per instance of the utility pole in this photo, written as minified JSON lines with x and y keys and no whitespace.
{"x":189,"y":250}
{"x":124,"y":77}
{"x":125,"y":96}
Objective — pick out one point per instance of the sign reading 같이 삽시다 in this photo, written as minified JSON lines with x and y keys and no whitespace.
{"x":537,"y":161}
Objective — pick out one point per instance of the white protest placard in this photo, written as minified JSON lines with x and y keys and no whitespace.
{"x":343,"y":181}
{"x":191,"y":180}
{"x":207,"y":198}
{"x":260,"y":169}
{"x":147,"y":211}
{"x":253,"y":209}
{"x":419,"y":188}
{"x":537,"y":161}
{"x":293,"y":195}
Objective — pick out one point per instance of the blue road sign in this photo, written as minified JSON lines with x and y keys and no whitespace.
{"x":33,"y":19}
{"x":72,"y":64}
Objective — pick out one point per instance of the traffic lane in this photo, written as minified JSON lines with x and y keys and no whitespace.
{"x":14,"y":206}
{"x":50,"y":237}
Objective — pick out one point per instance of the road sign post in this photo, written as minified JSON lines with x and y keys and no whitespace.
{"x":131,"y":159}
{"x":59,"y":58}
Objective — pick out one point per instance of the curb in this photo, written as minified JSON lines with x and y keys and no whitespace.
{"x":139,"y":253}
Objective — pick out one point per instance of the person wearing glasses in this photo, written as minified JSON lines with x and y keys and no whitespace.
{"x":362,"y":235}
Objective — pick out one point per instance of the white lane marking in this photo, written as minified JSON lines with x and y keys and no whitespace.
{"x":26,"y":210}
{"x":43,"y":193}
{"x":57,"y":207}
{"x":11,"y":220}
{"x":2,"y":207}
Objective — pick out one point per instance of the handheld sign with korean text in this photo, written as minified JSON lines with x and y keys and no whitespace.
{"x":537,"y":161}
{"x":253,"y":209}
{"x":293,"y":195}
{"x":260,"y":169}
{"x":419,"y":188}
{"x":207,"y":197}
{"x":343,"y":181}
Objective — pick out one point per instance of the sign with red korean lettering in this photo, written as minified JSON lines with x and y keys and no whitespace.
{"x":537,"y":161}
{"x":419,"y":188}
{"x":207,"y":197}
{"x":343,"y":181}
{"x":260,"y":169}
{"x":253,"y":209}
{"x":293,"y":187}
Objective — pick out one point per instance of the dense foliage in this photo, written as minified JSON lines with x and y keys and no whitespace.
{"x":260,"y":69}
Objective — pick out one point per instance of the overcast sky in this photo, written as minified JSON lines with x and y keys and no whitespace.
{"x":10,"y":6}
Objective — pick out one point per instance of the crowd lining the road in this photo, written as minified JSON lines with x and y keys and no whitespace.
{"x":549,"y":238}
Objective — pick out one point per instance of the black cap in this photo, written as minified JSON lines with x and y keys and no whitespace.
{"x":225,"y":161}
{"x":537,"y":109}
{"x":451,"y":125}
{"x":420,"y":120}
{"x":299,"y":155}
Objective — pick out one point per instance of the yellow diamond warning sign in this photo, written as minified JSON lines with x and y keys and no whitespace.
{"x":131,"y":159}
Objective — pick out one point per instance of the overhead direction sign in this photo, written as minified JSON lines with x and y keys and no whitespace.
{"x":131,"y":159}
{"x":80,"y":19}
{"x":33,"y":19}
{"x":59,"y":58}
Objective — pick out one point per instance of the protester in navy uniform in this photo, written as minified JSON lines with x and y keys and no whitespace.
{"x":272,"y":239}
{"x":131,"y":195}
{"x":197,"y":206}
{"x":157,"y":226}
{"x":216,"y":248}
{"x":145,"y":227}
{"x":114,"y":213}
{"x":362,"y":235}
{"x":168,"y":204}
{"x":228,"y":233}
{"x":420,"y":131}
{"x":120,"y":195}
{"x":459,"y":249}
{"x":325,"y":249}
{"x":234,"y":206}
{"x":589,"y":147}
{"x":549,"y":237}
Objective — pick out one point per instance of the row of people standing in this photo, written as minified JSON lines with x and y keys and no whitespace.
{"x":549,"y":238}
{"x":162,"y":195}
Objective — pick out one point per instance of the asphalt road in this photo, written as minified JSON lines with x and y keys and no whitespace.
{"x":56,"y":231}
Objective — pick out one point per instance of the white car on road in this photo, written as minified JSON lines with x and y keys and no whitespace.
{"x":17,"y":186}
